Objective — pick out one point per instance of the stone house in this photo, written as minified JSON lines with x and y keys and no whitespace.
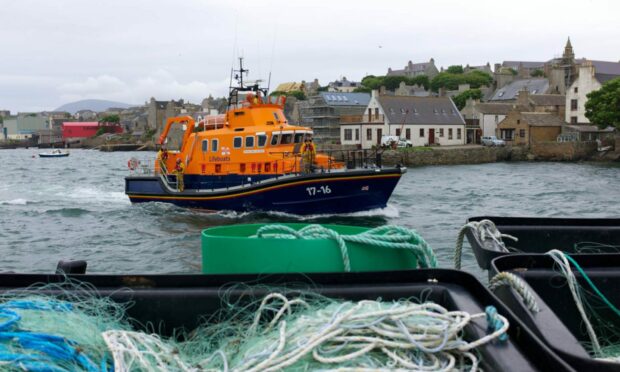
{"x":421,"y":120}
{"x":525,"y":128}
{"x":414,"y":69}
{"x":85,"y":115}
{"x":484,"y":116}
{"x":343,"y":85}
{"x":159,"y":111}
{"x":411,"y":90}
{"x":324,"y":111}
{"x":592,"y":75}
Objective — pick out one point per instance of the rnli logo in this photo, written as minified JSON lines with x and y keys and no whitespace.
{"x":225,"y":151}
{"x":365,"y":188}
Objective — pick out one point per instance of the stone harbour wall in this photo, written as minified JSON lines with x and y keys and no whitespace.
{"x":474,"y":155}
{"x":558,"y":151}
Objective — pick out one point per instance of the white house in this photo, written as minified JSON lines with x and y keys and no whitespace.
{"x":486,"y":115}
{"x":421,"y":120}
{"x":592,"y":75}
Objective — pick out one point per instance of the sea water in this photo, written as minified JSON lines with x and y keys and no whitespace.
{"x":75,"y":208}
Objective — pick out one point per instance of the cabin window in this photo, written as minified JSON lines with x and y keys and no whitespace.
{"x":275,"y":115}
{"x":205,"y":145}
{"x":237,"y":142}
{"x":274,"y":139}
{"x":214,"y":145}
{"x":262,"y":140}
{"x":249,"y":141}
{"x":299,"y":137}
{"x":286,"y":139}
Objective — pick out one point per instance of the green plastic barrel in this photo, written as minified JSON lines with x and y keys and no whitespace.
{"x":230,"y":250}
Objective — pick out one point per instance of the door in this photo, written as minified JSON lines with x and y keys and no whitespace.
{"x":431,"y":136}
{"x":379,"y":134}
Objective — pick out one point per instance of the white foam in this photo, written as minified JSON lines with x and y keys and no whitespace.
{"x":389,"y":211}
{"x":97,"y":195}
{"x":14,"y":202}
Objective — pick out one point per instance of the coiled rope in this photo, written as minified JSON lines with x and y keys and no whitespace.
{"x":364,"y":335}
{"x":484,"y":230}
{"x":388,"y":236}
{"x":516,"y":283}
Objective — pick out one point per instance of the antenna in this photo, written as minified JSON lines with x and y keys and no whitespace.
{"x":268,"y":83}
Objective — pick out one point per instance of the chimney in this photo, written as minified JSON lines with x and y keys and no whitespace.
{"x":382,"y":90}
{"x":523,"y":99}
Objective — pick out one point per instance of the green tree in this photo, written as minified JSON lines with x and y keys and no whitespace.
{"x":455,"y":69}
{"x":110,"y":119}
{"x":420,"y":80}
{"x":362,"y":90}
{"x":449,"y":81}
{"x":323,"y":89}
{"x":538,"y":73}
{"x":461,"y":99}
{"x":603,"y":105}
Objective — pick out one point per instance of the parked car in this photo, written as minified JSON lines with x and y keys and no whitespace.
{"x":391,"y":141}
{"x":492,"y":141}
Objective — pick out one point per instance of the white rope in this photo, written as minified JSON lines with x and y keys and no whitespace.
{"x":343,"y":334}
{"x":565,"y":268}
{"x":484,"y":230}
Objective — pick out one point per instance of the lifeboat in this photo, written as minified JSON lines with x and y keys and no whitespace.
{"x":252,"y":159}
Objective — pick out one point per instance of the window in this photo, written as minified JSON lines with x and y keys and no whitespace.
{"x":573,"y":120}
{"x":421,"y":132}
{"x":573,"y":104}
{"x":449,"y":133}
{"x":286,"y":139}
{"x":496,"y":119}
{"x":237,"y":142}
{"x":357,"y":134}
{"x":522,"y":133}
{"x":576,"y":90}
{"x":348,"y":134}
{"x":275,"y":115}
{"x":214,"y":145}
{"x":205,"y":145}
{"x":408,"y":133}
{"x":249,"y":141}
{"x":518,"y":121}
{"x":299,"y":137}
{"x":458,"y":133}
{"x":368,"y":134}
{"x":440,"y":132}
{"x":376,"y":113}
{"x":507,"y":134}
{"x":398,"y":132}
{"x":274,"y":139}
{"x":262,"y":140}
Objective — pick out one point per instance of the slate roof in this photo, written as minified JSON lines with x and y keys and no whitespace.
{"x":494,"y":108}
{"x":548,"y":99}
{"x":345,"y":99}
{"x":510,"y":91}
{"x":605,"y":71}
{"x":411,"y":67}
{"x":420,"y":110}
{"x":542,"y":119}
{"x":589,"y":128}
{"x":526,"y":64}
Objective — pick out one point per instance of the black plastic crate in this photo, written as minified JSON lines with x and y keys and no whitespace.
{"x":540,"y":235}
{"x":558,"y":323}
{"x":182,"y":301}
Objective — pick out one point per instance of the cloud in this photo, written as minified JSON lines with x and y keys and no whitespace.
{"x":161,"y":84}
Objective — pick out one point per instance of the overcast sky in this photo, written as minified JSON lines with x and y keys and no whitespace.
{"x":55,"y":52}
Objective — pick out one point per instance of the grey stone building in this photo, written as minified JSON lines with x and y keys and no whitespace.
{"x":414,"y":69}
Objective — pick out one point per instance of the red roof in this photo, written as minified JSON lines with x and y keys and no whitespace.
{"x":81,"y":123}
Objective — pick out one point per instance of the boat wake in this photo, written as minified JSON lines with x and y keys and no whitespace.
{"x":388,"y":212}
{"x":18,"y":201}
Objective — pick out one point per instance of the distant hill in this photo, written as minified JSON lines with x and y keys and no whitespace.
{"x":97,"y":105}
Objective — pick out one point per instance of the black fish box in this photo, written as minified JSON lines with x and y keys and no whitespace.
{"x":171,"y":302}
{"x":540,"y":235}
{"x":559,"y":323}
